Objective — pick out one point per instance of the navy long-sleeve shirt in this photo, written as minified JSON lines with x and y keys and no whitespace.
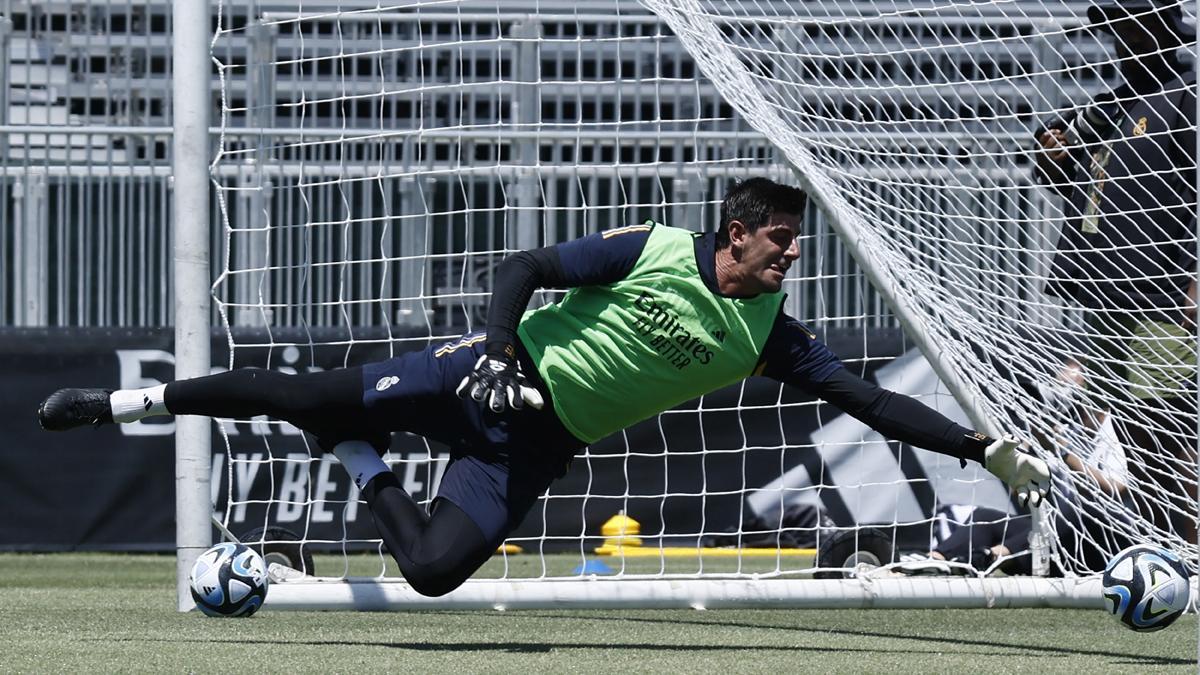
{"x":792,"y":354}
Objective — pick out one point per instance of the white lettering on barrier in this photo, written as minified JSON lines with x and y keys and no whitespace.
{"x":333,"y":495}
{"x":411,"y":485}
{"x":214,"y":483}
{"x":293,"y":483}
{"x":260,"y":425}
{"x":245,"y":471}
{"x":324,"y":486}
{"x":130,"y":362}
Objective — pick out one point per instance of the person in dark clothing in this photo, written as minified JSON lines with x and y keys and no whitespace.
{"x":1124,"y":165}
{"x":656,"y":316}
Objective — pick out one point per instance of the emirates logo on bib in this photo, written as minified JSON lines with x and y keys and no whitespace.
{"x":385,"y":382}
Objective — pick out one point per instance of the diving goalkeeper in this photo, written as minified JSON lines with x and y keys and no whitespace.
{"x":656,"y":316}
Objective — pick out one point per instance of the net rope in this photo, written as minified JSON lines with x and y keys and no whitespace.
{"x":376,"y":163}
{"x":915,"y":126}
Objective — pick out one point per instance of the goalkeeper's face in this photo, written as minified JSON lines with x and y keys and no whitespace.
{"x":765,"y":255}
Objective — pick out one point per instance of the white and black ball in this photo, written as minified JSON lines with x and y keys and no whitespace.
{"x":1146,"y":587}
{"x":229,"y":580}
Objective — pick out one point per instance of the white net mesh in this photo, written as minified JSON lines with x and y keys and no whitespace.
{"x":376,"y":163}
{"x":1062,"y":312}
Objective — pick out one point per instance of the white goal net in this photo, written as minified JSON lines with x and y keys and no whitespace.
{"x":1061,"y":310}
{"x":376,"y":163}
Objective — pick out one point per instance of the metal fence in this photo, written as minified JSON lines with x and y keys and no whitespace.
{"x":84,"y":236}
{"x":360,"y":185}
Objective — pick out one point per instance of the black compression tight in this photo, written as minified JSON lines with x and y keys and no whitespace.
{"x":309,"y":400}
{"x":436,"y":553}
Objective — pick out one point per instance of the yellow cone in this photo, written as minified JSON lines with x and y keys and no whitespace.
{"x":619,"y":532}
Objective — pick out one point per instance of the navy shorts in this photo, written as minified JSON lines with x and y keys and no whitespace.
{"x":499,"y":464}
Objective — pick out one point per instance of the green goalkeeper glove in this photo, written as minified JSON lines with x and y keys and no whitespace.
{"x":1027,"y":474}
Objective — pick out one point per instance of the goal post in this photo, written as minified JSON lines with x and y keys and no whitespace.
{"x":191,"y":185}
{"x":373,"y":165}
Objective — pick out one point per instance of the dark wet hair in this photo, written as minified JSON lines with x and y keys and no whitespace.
{"x":753,"y":201}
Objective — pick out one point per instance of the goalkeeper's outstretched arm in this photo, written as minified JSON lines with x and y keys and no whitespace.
{"x":900,"y":417}
{"x":795,"y":356}
{"x":905,"y":419}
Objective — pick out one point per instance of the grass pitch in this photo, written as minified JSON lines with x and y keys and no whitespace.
{"x":115,"y":613}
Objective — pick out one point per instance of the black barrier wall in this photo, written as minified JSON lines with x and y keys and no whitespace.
{"x":112,"y":488}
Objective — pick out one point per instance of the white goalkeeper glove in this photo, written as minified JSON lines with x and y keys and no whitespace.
{"x":1027,"y":474}
{"x":500,"y":382}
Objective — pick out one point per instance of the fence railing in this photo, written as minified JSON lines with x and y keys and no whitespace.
{"x":597,"y":122}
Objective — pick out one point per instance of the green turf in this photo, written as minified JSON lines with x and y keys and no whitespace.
{"x":564,"y":564}
{"x":113,"y":613}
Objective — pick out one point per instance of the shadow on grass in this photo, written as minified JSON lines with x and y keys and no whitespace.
{"x":1008,"y":648}
{"x":534,"y":647}
{"x":982,"y":648}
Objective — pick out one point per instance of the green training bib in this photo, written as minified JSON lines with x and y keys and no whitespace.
{"x":617,"y":354}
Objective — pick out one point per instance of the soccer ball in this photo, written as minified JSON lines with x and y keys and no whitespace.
{"x":1146,"y":587}
{"x":229,"y":580}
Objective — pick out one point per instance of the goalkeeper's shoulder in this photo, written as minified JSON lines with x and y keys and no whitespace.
{"x":793,"y":354}
{"x":603,"y":257}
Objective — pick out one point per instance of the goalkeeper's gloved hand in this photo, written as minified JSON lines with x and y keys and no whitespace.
{"x":1027,"y":474}
{"x":498,"y":380}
